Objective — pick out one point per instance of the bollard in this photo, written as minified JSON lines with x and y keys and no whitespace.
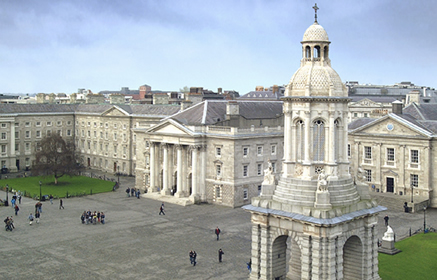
{"x":410,"y":231}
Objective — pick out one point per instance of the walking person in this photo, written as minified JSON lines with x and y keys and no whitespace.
{"x":220,"y":254}
{"x":61,"y":204}
{"x":102,"y":218}
{"x":386,"y":220}
{"x":191,"y":256}
{"x":194,"y":258}
{"x":217,"y":232}
{"x":51,"y":199}
{"x":37,"y":216}
{"x":16,"y":209}
{"x":30,"y":219}
{"x":161,"y":209}
{"x":127,"y":191}
{"x":19,"y":198}
{"x":249,"y":265}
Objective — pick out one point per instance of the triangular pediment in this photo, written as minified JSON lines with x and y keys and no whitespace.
{"x":393,"y":125}
{"x":115,"y":112}
{"x":365,"y":102}
{"x":170,"y":127}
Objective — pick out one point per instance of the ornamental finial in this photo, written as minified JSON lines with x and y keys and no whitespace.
{"x":315,"y":10}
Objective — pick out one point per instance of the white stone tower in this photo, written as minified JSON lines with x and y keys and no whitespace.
{"x":318,"y":222}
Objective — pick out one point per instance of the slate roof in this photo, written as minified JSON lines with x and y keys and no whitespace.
{"x":255,"y":95}
{"x":212,"y":111}
{"x":379,"y":99}
{"x":422,"y":111}
{"x":359,"y":122}
{"x":134,"y":109}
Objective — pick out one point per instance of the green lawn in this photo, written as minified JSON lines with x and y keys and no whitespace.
{"x":418,"y":259}
{"x":75,"y":186}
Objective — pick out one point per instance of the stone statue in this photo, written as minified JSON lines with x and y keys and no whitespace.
{"x":360,"y":178}
{"x":269,"y":177}
{"x":389,"y":234}
{"x":322,"y":184}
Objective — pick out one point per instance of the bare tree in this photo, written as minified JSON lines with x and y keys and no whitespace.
{"x":57,"y":157}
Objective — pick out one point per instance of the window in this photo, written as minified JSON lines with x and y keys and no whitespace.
{"x":259,"y":189}
{"x":366,"y":115}
{"x":95,"y":134}
{"x":245,"y":194}
{"x":106,"y":147}
{"x":49,"y":132}
{"x":38,"y":134}
{"x":27,"y":124}
{"x":68,"y":122}
{"x":17,"y":147}
{"x":95,"y":124}
{"x":115,"y":125}
{"x":106,"y":125}
{"x":259,"y":169}
{"x":355,"y":115}
{"x":218,"y":151}
{"x":273,"y":149}
{"x":135,"y":137}
{"x":3,"y":137}
{"x":83,"y":133}
{"x":17,"y":124}
{"x":368,"y":175}
{"x":348,"y":150}
{"x":89,"y":145}
{"x":59,"y":132}
{"x":101,"y":135}
{"x":414,"y":156}
{"x":38,"y":123}
{"x":218,"y":169}
{"x":27,"y":147}
{"x":115,"y":149}
{"x":89,"y":123}
{"x":300,"y":140}
{"x":390,"y":154}
{"x":245,"y":169}
{"x":68,"y":132}
{"x":49,"y":123}
{"x":319,"y":140}
{"x":88,"y":133}
{"x":4,"y":125}
{"x":3,"y":149}
{"x":101,"y":147}
{"x":259,"y":150}
{"x":274,"y":167}
{"x":106,"y":135}
{"x":245,"y":151}
{"x":59,"y":123}
{"x":124,"y":126}
{"x":115,"y":135}
{"x":414,"y":179}
{"x":367,"y":152}
{"x":27,"y":161}
{"x":124,"y":136}
{"x":218,"y":192}
{"x":27,"y":134}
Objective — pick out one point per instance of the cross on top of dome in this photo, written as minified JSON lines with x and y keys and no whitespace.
{"x":315,"y":11}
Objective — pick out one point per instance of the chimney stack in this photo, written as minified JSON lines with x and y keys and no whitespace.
{"x":397,"y":107}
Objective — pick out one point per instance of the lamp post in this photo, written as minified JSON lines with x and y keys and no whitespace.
{"x":7,"y":197}
{"x":424,"y":219}
{"x":40,"y":183}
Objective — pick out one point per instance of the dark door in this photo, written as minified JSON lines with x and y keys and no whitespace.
{"x":390,"y":184}
{"x":17,"y":164}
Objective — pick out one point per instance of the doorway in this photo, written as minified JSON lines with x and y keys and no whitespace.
{"x":390,"y":184}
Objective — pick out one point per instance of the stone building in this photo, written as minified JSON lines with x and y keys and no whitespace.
{"x":103,"y":133}
{"x":396,"y":152}
{"x":214,"y":151}
{"x":317,"y":222}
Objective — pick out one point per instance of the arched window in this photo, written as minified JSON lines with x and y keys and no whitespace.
{"x":326,"y":52}
{"x":300,"y":140}
{"x":319,"y":141}
{"x":336,"y":140}
{"x":307,"y":52}
{"x":317,"y":52}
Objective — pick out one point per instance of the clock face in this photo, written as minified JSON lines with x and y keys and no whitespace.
{"x":390,"y":127}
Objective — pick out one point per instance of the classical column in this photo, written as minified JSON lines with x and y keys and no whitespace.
{"x":255,"y":253}
{"x":202,"y":183}
{"x":180,"y":191}
{"x":402,"y":163}
{"x":165,"y":189}
{"x":378,"y":155}
{"x":194,"y":172}
{"x":152,"y":164}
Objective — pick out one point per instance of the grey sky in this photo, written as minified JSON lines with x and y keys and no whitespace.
{"x":60,"y":46}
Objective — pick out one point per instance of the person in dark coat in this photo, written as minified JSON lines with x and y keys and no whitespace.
{"x":220,"y":254}
{"x":386,"y":220}
{"x":217,"y":232}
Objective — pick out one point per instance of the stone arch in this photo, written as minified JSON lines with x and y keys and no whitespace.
{"x":279,"y":257}
{"x":291,"y":247}
{"x":307,"y":52}
{"x":316,"y":51}
{"x":326,"y":52}
{"x":353,"y":258}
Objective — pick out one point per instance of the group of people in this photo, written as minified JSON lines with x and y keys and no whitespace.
{"x":16,"y":197}
{"x":133,"y":192}
{"x":9,"y":223}
{"x":95,"y":217}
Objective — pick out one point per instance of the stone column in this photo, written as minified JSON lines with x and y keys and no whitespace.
{"x":153,"y":167}
{"x":378,"y":156}
{"x":317,"y":258}
{"x":12,"y":165}
{"x":202,"y":183}
{"x":165,"y":188}
{"x":265,"y":252}
{"x":180,"y":191}
{"x":255,"y":253}
{"x":306,"y":254}
{"x":402,"y":163}
{"x":194,"y":173}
